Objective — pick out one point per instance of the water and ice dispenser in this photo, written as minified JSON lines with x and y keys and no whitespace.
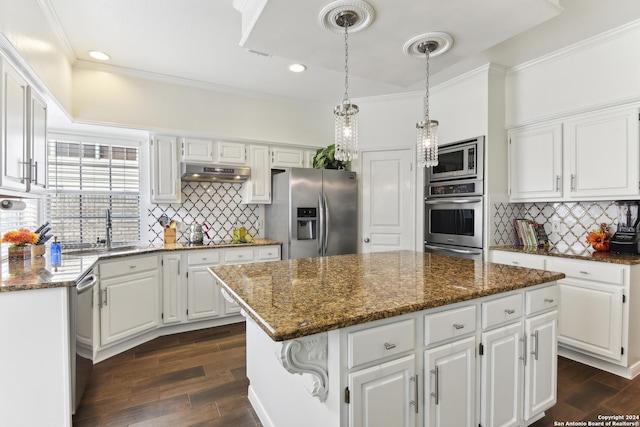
{"x":307,"y":223}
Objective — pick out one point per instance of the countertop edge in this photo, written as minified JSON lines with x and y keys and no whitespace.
{"x":606,"y":257}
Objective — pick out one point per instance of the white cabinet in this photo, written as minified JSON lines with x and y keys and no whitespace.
{"x":171,"y":289}
{"x":233,"y":153}
{"x":309,"y":155}
{"x":258,"y":188}
{"x":518,"y":259}
{"x":197,"y":150}
{"x":129,"y":298}
{"x":203,"y":294}
{"x":560,"y":160}
{"x":165,"y":178}
{"x":384,"y":394}
{"x":541,"y":375}
{"x":616,"y":132}
{"x":535,"y":162}
{"x":450,"y":384}
{"x":23,"y":128}
{"x":282,"y":157}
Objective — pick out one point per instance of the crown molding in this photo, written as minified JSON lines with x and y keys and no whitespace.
{"x":52,"y":17}
{"x":577,"y":47}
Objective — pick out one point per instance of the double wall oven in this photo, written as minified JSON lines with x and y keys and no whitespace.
{"x":454,"y":200}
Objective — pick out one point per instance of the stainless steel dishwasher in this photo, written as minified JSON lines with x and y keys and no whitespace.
{"x":81,"y":335}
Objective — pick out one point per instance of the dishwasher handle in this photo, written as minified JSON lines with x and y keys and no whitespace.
{"x":86,"y":283}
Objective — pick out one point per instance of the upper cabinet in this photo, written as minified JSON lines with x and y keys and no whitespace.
{"x":197,"y":150}
{"x":592,"y":156}
{"x":23,"y":133}
{"x":258,"y":188}
{"x":165,"y":178}
{"x":233,"y":153}
{"x":284,"y":157}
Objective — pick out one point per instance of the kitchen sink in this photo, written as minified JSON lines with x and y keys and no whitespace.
{"x":101,"y":250}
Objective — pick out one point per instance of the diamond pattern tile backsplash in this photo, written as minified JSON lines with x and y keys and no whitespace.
{"x":576,"y":220}
{"x":216,"y":204}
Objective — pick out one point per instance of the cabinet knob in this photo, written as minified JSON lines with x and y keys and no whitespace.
{"x":549,"y":300}
{"x":388,"y":346}
{"x":458,"y":326}
{"x":509,"y":311}
{"x":366,"y":240}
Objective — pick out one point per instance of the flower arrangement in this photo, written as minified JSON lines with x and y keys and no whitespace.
{"x":21,"y":237}
{"x":599,"y":238}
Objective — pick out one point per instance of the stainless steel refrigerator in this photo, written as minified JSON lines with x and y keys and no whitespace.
{"x":314,"y":212}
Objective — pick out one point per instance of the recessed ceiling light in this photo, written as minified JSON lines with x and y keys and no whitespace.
{"x":297,"y":68}
{"x":101,"y":56}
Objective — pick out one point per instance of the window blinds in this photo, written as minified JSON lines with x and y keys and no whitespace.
{"x":13,"y":220}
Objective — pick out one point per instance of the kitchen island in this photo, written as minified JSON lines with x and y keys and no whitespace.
{"x":391,"y":339}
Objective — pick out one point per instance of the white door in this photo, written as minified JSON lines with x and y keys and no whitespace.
{"x":197,"y":150}
{"x":165,"y":181}
{"x":203,"y":294}
{"x":14,"y":129}
{"x":388,"y":207}
{"x":501,"y":392}
{"x":541,"y":371}
{"x":590,"y":317}
{"x":381,"y":396}
{"x":171,"y":289}
{"x":258,"y":188}
{"x":450,"y":384}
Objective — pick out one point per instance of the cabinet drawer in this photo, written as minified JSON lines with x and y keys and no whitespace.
{"x":239,"y":255}
{"x":518,"y":259}
{"x":203,"y":257}
{"x":128,"y":265}
{"x":380,"y":342}
{"x":449,"y":324}
{"x":501,"y":310}
{"x":589,"y":270}
{"x":541,"y":299}
{"x":269,"y":253}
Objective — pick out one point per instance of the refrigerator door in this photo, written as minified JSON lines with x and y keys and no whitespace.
{"x":340,"y":231}
{"x":304,"y":213}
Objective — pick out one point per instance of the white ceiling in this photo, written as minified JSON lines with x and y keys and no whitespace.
{"x":199,"y":40}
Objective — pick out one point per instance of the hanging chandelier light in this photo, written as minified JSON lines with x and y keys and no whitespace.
{"x":346,"y":126}
{"x":426,"y":46}
{"x":346,"y":16}
{"x":427,"y":147}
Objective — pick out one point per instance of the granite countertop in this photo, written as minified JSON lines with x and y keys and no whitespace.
{"x":295,"y":298}
{"x":574,"y":253}
{"x":38,"y":273}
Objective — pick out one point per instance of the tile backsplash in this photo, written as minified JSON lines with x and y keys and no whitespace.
{"x":576,"y":220}
{"x":219,"y":205}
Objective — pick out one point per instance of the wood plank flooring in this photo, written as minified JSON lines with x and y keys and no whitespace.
{"x":199,"y":379}
{"x":191,"y":379}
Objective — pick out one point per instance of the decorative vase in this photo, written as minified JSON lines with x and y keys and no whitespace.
{"x":603,"y":246}
{"x":19,"y":253}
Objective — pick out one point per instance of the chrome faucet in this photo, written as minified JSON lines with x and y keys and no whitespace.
{"x":108,"y":229}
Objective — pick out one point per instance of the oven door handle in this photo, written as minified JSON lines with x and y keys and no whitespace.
{"x":457,"y":251}
{"x":446,"y":201}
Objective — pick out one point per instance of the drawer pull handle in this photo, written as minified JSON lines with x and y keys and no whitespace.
{"x":415,"y":402}
{"x":549,"y":300}
{"x":534,"y":338}
{"x":436,"y":388}
{"x":584,"y":272}
{"x":509,"y":311}
{"x":388,"y":346}
{"x":458,"y":326}
{"x":132,"y":266}
{"x":515,"y":262}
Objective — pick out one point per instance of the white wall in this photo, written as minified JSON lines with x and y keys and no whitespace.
{"x":596,"y":72}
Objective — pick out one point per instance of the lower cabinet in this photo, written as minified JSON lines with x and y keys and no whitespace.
{"x":203,"y":294}
{"x":129,"y":298}
{"x":384,"y":394}
{"x":171,"y":289}
{"x":541,"y":376}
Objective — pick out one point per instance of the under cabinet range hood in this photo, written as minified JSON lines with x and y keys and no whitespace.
{"x":214,"y":173}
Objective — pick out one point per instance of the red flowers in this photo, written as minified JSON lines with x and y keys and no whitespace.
{"x":21,"y":237}
{"x":599,"y":238}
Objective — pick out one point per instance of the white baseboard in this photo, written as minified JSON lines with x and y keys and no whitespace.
{"x":257,"y":406}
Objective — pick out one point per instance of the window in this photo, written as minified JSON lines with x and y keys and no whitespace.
{"x":13,"y":220}
{"x":88,"y":178}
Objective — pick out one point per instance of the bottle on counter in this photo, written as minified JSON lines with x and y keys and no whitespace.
{"x":56,"y":252}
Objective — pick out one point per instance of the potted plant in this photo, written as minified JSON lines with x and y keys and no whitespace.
{"x":21,"y":241}
{"x":324,"y":159}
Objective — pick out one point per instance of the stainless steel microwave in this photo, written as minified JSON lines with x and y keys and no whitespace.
{"x":459,"y":160}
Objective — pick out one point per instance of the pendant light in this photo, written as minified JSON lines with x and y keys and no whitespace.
{"x":427,"y":146}
{"x":346,"y":16}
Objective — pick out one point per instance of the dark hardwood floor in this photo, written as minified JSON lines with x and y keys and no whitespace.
{"x":191,"y":379}
{"x":199,"y":379}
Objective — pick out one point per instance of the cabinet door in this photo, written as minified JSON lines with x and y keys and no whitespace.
{"x":197,"y":150}
{"x":590,"y":317}
{"x":258,"y":188}
{"x":309,"y":155}
{"x":233,"y":153}
{"x":541,"y":372}
{"x":384,"y":395}
{"x":129,"y":306}
{"x":501,"y":390}
{"x":450,"y":384}
{"x":203,"y":294}
{"x":14,"y":129}
{"x":37,"y":141}
{"x":535,"y":162}
{"x":171,"y":289}
{"x":287,"y":157}
{"x":593,"y":136}
{"x":165,"y":181}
